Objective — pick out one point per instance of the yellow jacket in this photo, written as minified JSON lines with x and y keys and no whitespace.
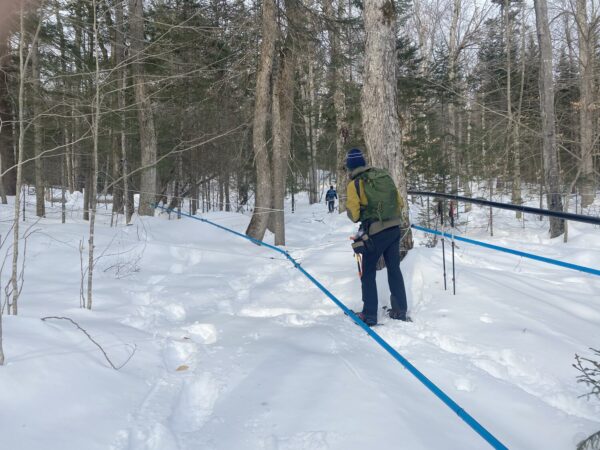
{"x":354,"y":204}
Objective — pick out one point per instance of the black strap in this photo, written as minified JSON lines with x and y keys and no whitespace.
{"x":357,"y":186}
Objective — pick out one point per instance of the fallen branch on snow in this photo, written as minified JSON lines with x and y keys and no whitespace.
{"x":96,"y":343}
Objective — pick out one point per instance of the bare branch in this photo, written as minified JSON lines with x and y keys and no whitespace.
{"x":95,"y":343}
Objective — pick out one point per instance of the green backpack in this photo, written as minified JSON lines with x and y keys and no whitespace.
{"x":381,"y":193}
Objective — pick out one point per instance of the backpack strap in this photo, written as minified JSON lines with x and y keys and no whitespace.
{"x":357,"y":186}
{"x":365,"y":225}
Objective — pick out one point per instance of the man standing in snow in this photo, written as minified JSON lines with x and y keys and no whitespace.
{"x":330,"y":198}
{"x":374,"y":201}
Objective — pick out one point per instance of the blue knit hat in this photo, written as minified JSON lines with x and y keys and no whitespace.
{"x":354,"y":159}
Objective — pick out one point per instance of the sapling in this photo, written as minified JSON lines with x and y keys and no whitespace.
{"x":590,"y":376}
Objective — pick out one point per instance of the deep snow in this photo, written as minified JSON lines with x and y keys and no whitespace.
{"x":266,"y":361}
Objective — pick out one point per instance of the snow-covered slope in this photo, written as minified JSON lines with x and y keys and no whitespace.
{"x":266,"y":361}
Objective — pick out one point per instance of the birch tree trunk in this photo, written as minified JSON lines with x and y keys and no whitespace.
{"x":283,"y":112}
{"x":148,"y":181}
{"x":23,"y":62}
{"x":586,"y":104}
{"x":550,"y":157}
{"x":379,"y":98}
{"x":94,"y":166}
{"x":40,"y":209}
{"x":260,"y":217}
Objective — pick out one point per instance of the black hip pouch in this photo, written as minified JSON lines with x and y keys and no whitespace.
{"x":363,"y":244}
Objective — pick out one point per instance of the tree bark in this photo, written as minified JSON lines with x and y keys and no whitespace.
{"x":260,"y":217}
{"x":283,"y":111}
{"x":586,"y":104}
{"x":339,"y":97}
{"x":94,"y":162}
{"x":40,"y":209}
{"x":148,"y":181}
{"x":6,"y":140}
{"x":511,"y":137}
{"x":310,"y":117}
{"x":379,"y":98}
{"x":451,"y":122}
{"x":120,"y":152}
{"x":550,"y":156}
{"x":23,"y":62}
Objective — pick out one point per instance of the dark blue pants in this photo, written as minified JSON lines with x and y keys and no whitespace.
{"x":331,"y":204}
{"x":386,"y":243}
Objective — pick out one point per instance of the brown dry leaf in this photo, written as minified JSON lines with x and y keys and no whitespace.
{"x":182,"y":368}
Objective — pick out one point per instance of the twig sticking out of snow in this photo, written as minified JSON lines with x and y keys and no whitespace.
{"x":590,"y":373}
{"x":96,"y":343}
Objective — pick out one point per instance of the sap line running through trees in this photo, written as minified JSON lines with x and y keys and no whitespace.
{"x":524,"y":209}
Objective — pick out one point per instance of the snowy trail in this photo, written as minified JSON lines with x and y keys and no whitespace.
{"x":237,"y":350}
{"x":489,"y":360}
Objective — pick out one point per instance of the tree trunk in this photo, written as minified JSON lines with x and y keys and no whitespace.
{"x":310,"y":129}
{"x":7,"y":157}
{"x":122,"y":89}
{"x":315,"y":129}
{"x":466,"y":173}
{"x":339,"y":98}
{"x":148,"y":181}
{"x":227,"y":193}
{"x":516,"y":193}
{"x":283,"y":111}
{"x":551,"y":173}
{"x":40,"y":209}
{"x":586,"y":104}
{"x":87,"y":190}
{"x":94,"y":164}
{"x":258,"y":224}
{"x":23,"y":62}
{"x":451,"y":125}
{"x":379,"y":100}
{"x":511,"y":142}
{"x":117,"y":152}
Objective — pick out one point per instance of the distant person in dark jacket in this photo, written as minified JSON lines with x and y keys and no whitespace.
{"x":374,"y":201}
{"x":330,"y":198}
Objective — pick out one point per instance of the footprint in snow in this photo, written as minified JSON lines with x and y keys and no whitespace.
{"x":196,"y":403}
{"x":178,"y":353}
{"x":306,"y":440}
{"x":158,"y":437}
{"x":202,"y":333}
{"x":295,"y":320}
{"x":174,"y":312}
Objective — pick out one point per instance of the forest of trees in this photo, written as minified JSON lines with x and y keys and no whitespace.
{"x":233,"y":103}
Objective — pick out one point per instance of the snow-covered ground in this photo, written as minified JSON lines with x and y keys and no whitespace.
{"x":234,"y":349}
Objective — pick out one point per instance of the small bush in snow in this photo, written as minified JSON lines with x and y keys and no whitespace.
{"x":590,"y":376}
{"x":590,"y":373}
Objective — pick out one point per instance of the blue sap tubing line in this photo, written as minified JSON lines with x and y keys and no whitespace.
{"x":511,"y":251}
{"x":465,"y":416}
